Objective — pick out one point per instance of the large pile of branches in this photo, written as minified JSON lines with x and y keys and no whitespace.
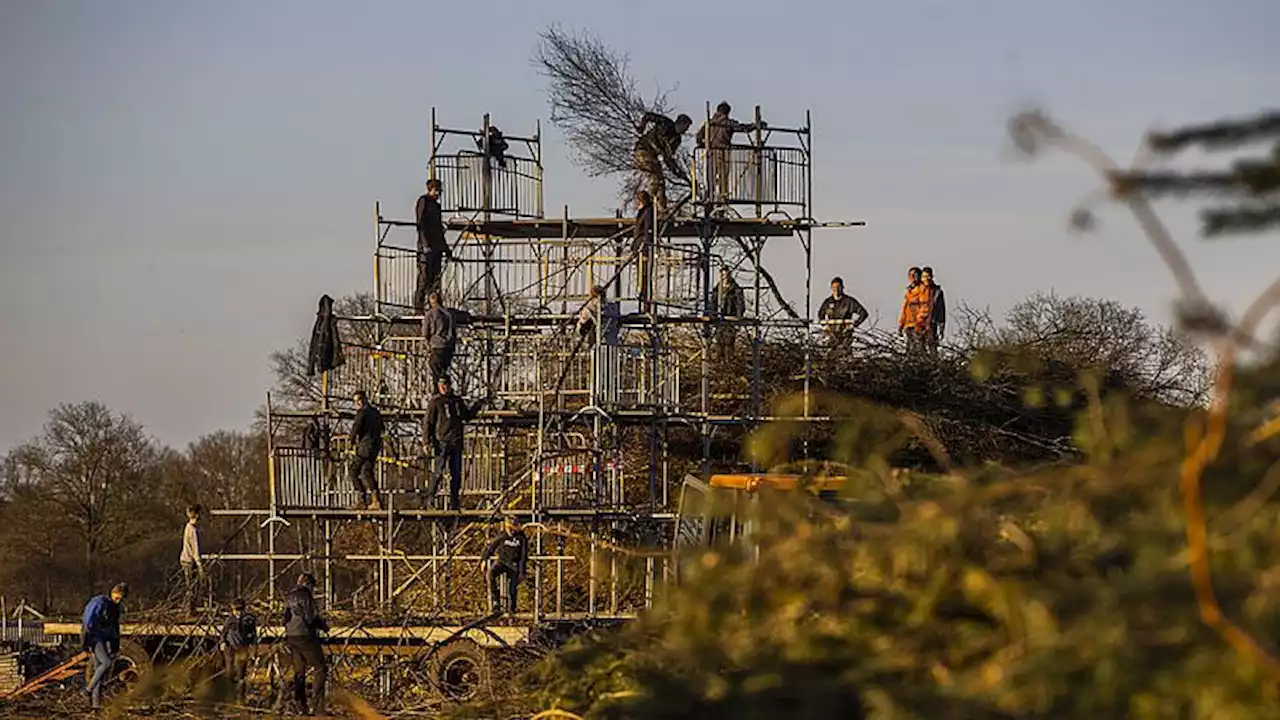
{"x":1006,"y":392}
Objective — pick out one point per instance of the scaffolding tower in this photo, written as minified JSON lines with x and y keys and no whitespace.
{"x":576,"y":436}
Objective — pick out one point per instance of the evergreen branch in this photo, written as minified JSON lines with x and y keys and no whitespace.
{"x":1221,"y":135}
{"x":1249,"y":176}
{"x":1219,"y":221}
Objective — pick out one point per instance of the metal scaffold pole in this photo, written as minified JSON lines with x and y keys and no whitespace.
{"x":806,"y":239}
{"x":580,"y":433}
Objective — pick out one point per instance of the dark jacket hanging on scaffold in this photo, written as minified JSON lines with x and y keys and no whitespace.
{"x":326,"y":345}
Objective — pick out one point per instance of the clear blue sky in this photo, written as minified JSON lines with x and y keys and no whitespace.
{"x":180,"y":180}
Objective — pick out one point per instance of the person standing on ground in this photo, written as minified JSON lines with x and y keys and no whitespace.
{"x":239,"y":636}
{"x":937,"y":313}
{"x":443,"y":428}
{"x":914,"y":320}
{"x":366,"y":441}
{"x":440,"y":330}
{"x":731,"y":304}
{"x":433,"y":248}
{"x":191,"y":560}
{"x":302,"y":627}
{"x":512,"y":548}
{"x":100,"y":627}
{"x":841,"y":315}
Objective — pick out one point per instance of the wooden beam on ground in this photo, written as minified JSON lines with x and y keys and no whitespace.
{"x":71,"y":667}
{"x":337,"y":635}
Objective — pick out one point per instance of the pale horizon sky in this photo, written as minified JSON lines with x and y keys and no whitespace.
{"x":179,"y":181}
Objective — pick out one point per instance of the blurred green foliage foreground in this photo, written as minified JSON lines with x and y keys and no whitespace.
{"x":1138,"y":581}
{"x":1060,"y":592}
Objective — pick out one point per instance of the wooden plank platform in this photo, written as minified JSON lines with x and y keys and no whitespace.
{"x":426,"y":514}
{"x":599,"y":228}
{"x":418,"y":635}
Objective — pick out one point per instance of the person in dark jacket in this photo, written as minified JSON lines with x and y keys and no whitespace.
{"x":315,"y":438}
{"x":439,"y":328}
{"x":731,"y":304}
{"x":311,"y":436}
{"x":433,"y":248}
{"x":443,"y":427}
{"x":325,"y":352}
{"x":937,"y":313}
{"x":642,"y":241}
{"x":239,"y":636}
{"x":716,"y":135}
{"x":512,"y":549}
{"x":366,"y":440}
{"x":841,"y":314}
{"x":659,"y":142}
{"x":302,"y":627}
{"x":100,"y":627}
{"x":497,"y":146}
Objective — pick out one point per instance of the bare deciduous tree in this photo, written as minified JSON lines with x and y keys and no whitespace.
{"x":93,"y":471}
{"x":1093,"y":333}
{"x":226,"y":469}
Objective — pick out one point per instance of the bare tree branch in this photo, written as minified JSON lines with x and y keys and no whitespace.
{"x":768,"y":279}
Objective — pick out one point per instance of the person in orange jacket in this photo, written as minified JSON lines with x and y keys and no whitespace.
{"x":917,"y":308}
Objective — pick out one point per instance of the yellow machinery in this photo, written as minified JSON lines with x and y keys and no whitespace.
{"x":726,"y":509}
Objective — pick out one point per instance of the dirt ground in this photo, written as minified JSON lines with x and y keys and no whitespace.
{"x":71,"y":702}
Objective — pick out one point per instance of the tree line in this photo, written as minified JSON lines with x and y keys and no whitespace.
{"x":94,"y":499}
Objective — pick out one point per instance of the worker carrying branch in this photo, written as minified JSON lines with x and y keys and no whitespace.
{"x":512,"y":549}
{"x":659,"y":142}
{"x":433,"y":248}
{"x":840,"y":314}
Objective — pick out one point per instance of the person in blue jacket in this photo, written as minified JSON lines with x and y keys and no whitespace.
{"x":101,"y":630}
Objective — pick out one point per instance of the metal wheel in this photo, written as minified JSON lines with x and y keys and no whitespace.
{"x":460,"y":670}
{"x":131,"y":663}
